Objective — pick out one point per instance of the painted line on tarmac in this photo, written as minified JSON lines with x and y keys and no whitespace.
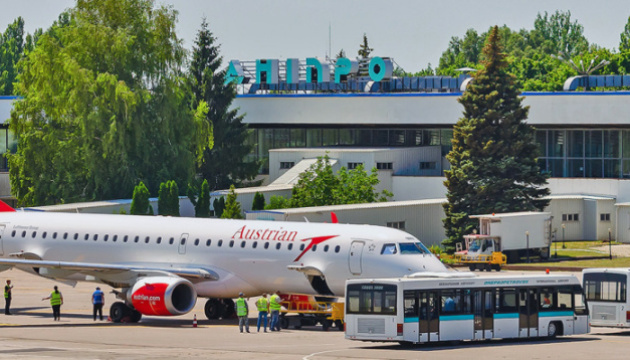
{"x":307,"y":357}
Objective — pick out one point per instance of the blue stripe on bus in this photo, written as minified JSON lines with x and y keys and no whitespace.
{"x":456,"y":317}
{"x":412,"y":319}
{"x":555,"y":313}
{"x":506,"y":316}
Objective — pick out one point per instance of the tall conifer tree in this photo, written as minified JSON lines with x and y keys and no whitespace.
{"x":494,"y":158}
{"x":225,"y":163}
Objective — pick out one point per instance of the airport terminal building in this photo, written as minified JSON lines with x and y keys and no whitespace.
{"x":403,"y":127}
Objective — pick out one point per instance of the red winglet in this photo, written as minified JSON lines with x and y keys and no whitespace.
{"x":5,"y":208}
{"x":333,"y":218}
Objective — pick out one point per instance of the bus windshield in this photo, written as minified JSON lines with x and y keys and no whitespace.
{"x":413,"y":248}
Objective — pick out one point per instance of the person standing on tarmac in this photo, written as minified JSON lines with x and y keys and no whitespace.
{"x":56,"y":300}
{"x":263,"y":308}
{"x":98,"y":300}
{"x":275,"y":305}
{"x":242,"y":311}
{"x":7,"y":298}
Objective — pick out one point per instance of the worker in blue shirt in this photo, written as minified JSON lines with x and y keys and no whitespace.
{"x":98,"y":300}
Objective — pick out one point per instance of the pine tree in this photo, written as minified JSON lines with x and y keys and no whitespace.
{"x":219,"y":206}
{"x":168,"y":199}
{"x":225,"y":163}
{"x":259,"y":201}
{"x":493,"y":161}
{"x":364,"y":56}
{"x":232,"y":207}
{"x":202,"y":206}
{"x":140,"y":201}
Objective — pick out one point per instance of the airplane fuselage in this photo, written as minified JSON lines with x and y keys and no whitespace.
{"x":248,"y":256}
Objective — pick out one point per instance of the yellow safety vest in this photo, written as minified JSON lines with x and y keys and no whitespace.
{"x":241,"y":310}
{"x":262,"y":304}
{"x":6,"y":291}
{"x":274,"y":302}
{"x":55,"y":298}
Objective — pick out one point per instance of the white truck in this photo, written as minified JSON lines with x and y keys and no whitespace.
{"x":516,"y":235}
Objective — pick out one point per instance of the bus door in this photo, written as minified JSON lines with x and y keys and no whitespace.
{"x":429,"y":326}
{"x":354,"y":260}
{"x":528,"y":313}
{"x":483,"y":309}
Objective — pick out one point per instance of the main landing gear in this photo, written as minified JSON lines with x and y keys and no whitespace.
{"x":120,"y":312}
{"x":219,"y":308}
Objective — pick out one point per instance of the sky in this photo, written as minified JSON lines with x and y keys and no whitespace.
{"x":412,"y":32}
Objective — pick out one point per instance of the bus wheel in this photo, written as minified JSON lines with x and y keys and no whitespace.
{"x":552,"y":330}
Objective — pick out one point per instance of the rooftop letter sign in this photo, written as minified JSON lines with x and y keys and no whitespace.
{"x":317,"y":71}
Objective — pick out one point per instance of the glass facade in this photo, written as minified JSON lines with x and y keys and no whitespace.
{"x":8,"y":143}
{"x":585,"y":153}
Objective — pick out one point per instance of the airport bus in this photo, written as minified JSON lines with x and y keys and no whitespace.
{"x":446,"y":307}
{"x":607,"y":295}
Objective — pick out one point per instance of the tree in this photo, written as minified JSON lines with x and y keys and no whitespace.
{"x":11,"y":51}
{"x":103,"y":98}
{"x":558,"y":34}
{"x":168,"y":199}
{"x":259,"y":201}
{"x":364,"y":56}
{"x":232,"y":207}
{"x":319,"y":186}
{"x":340,"y":54}
{"x":219,"y":206}
{"x":226,"y":162}
{"x":140,"y":204}
{"x":278,"y":202}
{"x":493,"y":160}
{"x":202,"y":206}
{"x":624,"y":43}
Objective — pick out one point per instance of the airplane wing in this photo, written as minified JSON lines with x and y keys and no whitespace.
{"x":109,"y":270}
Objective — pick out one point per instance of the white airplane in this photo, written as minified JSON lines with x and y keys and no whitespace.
{"x":162,"y":264}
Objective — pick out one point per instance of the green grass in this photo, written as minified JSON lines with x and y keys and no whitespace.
{"x":615,"y":262}
{"x":579,"y":244}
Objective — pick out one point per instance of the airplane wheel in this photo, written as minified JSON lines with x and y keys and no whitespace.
{"x":213,"y":309}
{"x":228,"y":309}
{"x":118,"y":311}
{"x":135,"y":316}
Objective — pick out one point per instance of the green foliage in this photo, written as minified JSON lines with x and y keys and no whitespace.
{"x":140,"y":201}
{"x":319,"y":186}
{"x":364,"y":56}
{"x":624,"y":43}
{"x":224,"y":161}
{"x":493,"y":160}
{"x":11,"y":51}
{"x":168,"y":199}
{"x":340,"y":54}
{"x":218,"y":205}
{"x":259,"y":201}
{"x":103,"y":106}
{"x":202,"y":207}
{"x":278,"y":202}
{"x":232,"y":207}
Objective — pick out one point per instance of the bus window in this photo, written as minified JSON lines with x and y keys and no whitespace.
{"x":372,"y":299}
{"x":353,"y":301}
{"x":548,"y":299}
{"x":565,"y":298}
{"x":605,"y":287}
{"x":506,"y":300}
{"x":411,"y":304}
{"x":449,"y":302}
{"x":579,"y":301}
{"x":388,"y":249}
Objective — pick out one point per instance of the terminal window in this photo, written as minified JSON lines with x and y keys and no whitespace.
{"x":396,"y":225}
{"x":428,"y":165}
{"x":353,"y":165}
{"x":286,"y":164}
{"x":604,"y":217}
{"x":570,"y":217}
{"x":384,"y":166}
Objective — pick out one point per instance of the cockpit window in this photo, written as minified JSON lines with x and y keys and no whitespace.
{"x":389,"y":249}
{"x":413,"y":248}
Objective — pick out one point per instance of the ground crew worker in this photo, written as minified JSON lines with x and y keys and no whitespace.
{"x":7,"y":298}
{"x":242,"y":311}
{"x":263,"y":309}
{"x":274,"y":306}
{"x":98,"y":300}
{"x":56,"y":300}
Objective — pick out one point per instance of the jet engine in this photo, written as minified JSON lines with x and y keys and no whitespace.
{"x":162,"y":296}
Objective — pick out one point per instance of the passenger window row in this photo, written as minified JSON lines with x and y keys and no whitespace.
{"x":171,"y":241}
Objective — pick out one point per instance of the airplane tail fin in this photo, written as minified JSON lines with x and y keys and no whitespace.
{"x":5,"y":208}
{"x":333,"y":218}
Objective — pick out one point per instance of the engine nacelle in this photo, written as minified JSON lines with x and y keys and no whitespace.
{"x":162,"y":296}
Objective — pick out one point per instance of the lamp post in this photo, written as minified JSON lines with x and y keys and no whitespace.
{"x":563,"y":227}
{"x":609,"y":244}
{"x":527,"y":236}
{"x":555,"y":240}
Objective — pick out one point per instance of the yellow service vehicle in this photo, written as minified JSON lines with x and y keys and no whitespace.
{"x":305,"y":310}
